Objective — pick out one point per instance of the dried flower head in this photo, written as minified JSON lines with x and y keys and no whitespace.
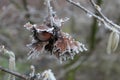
{"x":49,"y":38}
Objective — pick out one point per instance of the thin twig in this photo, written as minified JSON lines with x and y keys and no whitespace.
{"x":103,"y":16}
{"x":14,"y":73}
{"x":84,"y":9}
{"x":110,"y":25}
{"x":50,"y":11}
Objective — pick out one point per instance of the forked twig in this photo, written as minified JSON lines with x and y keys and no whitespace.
{"x":108,"y":23}
{"x":97,"y":8}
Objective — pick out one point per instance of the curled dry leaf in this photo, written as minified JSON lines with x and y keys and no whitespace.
{"x":112,"y":42}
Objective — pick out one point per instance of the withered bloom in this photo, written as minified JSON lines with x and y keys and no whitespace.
{"x":51,"y":39}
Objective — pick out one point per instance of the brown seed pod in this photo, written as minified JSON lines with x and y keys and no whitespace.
{"x":48,"y":38}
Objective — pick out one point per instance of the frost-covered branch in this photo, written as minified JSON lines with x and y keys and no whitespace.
{"x":115,"y":27}
{"x":114,"y":36}
{"x":114,"y":39}
{"x":50,"y":11}
{"x":108,"y":23}
{"x":77,"y":4}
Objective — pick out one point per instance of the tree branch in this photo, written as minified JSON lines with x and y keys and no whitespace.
{"x":102,"y":15}
{"x":84,"y":9}
{"x":108,"y":23}
{"x":14,"y":73}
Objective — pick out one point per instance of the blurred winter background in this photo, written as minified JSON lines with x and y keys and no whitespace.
{"x":95,"y":64}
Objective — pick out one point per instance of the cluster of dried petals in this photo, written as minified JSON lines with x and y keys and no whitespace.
{"x":66,"y":47}
{"x":51,"y":39}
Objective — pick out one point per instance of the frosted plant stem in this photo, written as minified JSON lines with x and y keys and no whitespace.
{"x":85,"y":10}
{"x":112,"y":26}
{"x":103,"y":16}
{"x":50,"y":11}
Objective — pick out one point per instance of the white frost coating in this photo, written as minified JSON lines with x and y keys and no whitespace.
{"x":35,"y":53}
{"x":66,"y":19}
{"x":38,"y":75}
{"x":33,"y":71}
{"x":77,"y":3}
{"x":83,"y":46}
{"x":60,"y":59}
{"x":29,"y":26}
{"x":34,"y":25}
{"x":73,"y":47}
{"x":110,"y":27}
{"x":99,"y":23}
{"x":68,"y":47}
{"x":89,"y":15}
{"x":47,"y":30}
{"x":98,"y":8}
{"x":58,"y":22}
{"x":48,"y":75}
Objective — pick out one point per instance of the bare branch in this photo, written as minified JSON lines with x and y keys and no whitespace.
{"x":14,"y":73}
{"x":84,"y":9}
{"x":50,"y":11}
{"x":108,"y":23}
{"x":98,"y":9}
